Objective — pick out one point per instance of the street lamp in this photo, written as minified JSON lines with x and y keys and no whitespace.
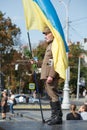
{"x":80,"y":81}
{"x":0,"y":68}
{"x":66,"y":102}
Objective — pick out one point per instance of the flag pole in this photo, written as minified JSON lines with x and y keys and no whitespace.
{"x":29,"y":43}
{"x":36,"y":82}
{"x":37,"y":87}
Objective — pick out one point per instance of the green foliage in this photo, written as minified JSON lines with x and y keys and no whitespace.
{"x":34,"y":66}
{"x":8,"y":32}
{"x":75,"y":52}
{"x":40,"y":50}
{"x":27,"y":53}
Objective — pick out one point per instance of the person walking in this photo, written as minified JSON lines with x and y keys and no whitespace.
{"x":84,"y":92}
{"x":4,"y":104}
{"x":73,"y":115}
{"x":50,"y":78}
{"x":11,"y":102}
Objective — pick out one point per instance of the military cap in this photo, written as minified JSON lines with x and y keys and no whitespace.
{"x":46,"y":30}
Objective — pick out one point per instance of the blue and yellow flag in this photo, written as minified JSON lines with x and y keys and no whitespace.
{"x":39,"y":14}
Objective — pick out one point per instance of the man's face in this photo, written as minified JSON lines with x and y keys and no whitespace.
{"x":49,"y":37}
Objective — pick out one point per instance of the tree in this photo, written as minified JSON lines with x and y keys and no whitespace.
{"x":26,"y":52}
{"x":76,"y":50}
{"x":40,"y":50}
{"x":8,"y":32}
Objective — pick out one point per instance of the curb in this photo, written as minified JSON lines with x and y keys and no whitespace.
{"x":31,"y":107}
{"x":44,"y":106}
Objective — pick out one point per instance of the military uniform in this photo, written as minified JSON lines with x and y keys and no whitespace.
{"x":48,"y":70}
{"x":50,"y":77}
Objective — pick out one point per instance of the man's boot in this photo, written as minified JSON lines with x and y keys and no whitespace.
{"x":57,"y":118}
{"x":52,"y":114}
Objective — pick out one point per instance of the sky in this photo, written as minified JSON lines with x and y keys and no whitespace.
{"x":77,"y":13}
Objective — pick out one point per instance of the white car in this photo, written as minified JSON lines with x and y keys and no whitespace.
{"x":20,"y":98}
{"x":33,"y":100}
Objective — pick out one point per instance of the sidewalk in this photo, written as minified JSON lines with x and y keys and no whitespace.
{"x":45,"y":106}
{"x":28,"y":125}
{"x":31,"y":119}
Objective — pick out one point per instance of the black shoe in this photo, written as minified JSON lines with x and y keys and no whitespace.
{"x":9,"y":118}
{"x":57,"y":115}
{"x":3,"y":118}
{"x":48,"y":120}
{"x":54,"y":122}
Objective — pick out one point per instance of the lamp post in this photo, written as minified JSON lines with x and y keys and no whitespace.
{"x":78,"y":80}
{"x":0,"y":67}
{"x":66,"y":102}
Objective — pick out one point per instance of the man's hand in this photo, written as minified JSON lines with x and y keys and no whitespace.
{"x":49,"y":79}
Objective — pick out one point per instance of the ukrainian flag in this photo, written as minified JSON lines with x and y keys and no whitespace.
{"x":38,"y":15}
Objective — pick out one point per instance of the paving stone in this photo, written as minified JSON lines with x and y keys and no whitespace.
{"x":34,"y":125}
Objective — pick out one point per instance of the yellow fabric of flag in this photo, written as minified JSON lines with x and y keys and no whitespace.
{"x":36,"y":19}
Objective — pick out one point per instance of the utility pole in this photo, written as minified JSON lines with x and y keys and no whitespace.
{"x":78,"y":80}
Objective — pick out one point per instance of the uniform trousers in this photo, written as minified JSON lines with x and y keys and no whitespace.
{"x":51,"y":89}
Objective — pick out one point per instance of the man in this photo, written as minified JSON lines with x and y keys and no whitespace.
{"x":4,"y":104}
{"x":51,"y":78}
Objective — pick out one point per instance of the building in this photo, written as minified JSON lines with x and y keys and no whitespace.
{"x":84,"y":45}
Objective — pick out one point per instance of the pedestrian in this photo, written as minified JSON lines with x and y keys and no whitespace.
{"x":84,"y":92}
{"x":4,"y":104}
{"x":85,"y":102}
{"x":73,"y":115}
{"x":34,"y":94}
{"x":11,"y":101}
{"x":50,"y":78}
{"x":83,"y":112}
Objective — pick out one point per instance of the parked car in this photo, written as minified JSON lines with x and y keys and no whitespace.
{"x":33,"y":100}
{"x":21,"y":98}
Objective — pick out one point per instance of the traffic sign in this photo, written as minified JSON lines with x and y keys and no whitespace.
{"x":32,"y":86}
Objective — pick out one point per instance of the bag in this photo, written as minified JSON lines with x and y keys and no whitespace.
{"x":15,"y":101}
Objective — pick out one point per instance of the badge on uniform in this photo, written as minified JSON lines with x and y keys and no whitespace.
{"x":50,"y":62}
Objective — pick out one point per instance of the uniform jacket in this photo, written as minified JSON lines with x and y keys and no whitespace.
{"x":47,"y":66}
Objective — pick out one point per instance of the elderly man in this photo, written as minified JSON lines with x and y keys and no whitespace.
{"x":51,"y":78}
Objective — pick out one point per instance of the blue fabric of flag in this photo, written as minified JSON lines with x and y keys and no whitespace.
{"x":50,"y":13}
